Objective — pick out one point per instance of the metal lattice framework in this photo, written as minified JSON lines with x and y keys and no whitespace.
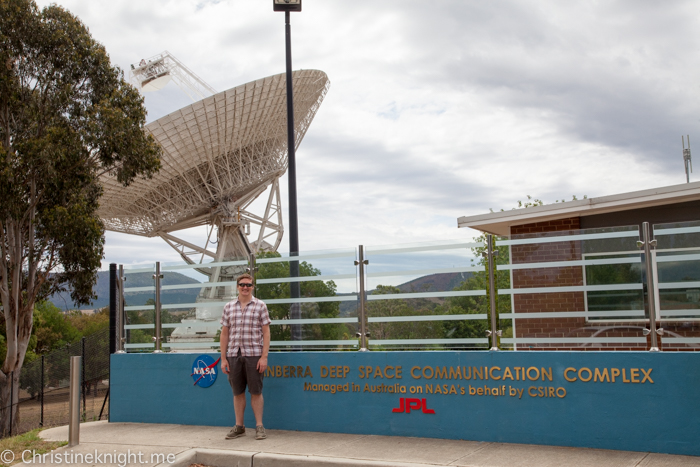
{"x":153,"y":74}
{"x":219,"y":155}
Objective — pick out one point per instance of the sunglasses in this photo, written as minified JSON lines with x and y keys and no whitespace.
{"x":245,"y":284}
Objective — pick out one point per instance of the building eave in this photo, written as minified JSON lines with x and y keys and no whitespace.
{"x":499,"y":223}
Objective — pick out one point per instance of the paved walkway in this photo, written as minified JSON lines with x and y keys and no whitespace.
{"x":150,"y":444}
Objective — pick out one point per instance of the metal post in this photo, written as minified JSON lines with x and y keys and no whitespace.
{"x":157,"y":276}
{"x":648,"y":244}
{"x":363,"y":334}
{"x":82,"y":374}
{"x":113,"y":294}
{"x":120,"y":310}
{"x":291,"y":143}
{"x":104,"y":402}
{"x":252,"y":267}
{"x":687,"y":160}
{"x":74,"y":403}
{"x":494,"y":332}
{"x":41,"y":421}
{"x":294,"y":287}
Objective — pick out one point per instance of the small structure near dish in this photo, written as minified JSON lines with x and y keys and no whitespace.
{"x":156,"y":72}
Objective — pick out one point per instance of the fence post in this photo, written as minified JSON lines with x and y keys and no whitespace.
{"x":112,"y":307}
{"x":294,"y":293}
{"x":120,"y":310}
{"x":157,"y":276}
{"x":82,"y":375}
{"x":494,"y":332}
{"x":647,"y":244}
{"x":363,"y":334}
{"x":41,"y":421}
{"x":74,"y":403}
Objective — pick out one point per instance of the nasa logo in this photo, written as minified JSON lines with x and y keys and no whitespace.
{"x":204,"y":371}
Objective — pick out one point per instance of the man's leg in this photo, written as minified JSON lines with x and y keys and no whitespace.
{"x":256,"y":401}
{"x":237,"y":380}
{"x":239,"y":408}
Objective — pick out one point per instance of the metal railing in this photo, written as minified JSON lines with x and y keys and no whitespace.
{"x":601,"y":289}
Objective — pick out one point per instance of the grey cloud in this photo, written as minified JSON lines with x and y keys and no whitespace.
{"x":563,"y":59}
{"x":399,"y":177}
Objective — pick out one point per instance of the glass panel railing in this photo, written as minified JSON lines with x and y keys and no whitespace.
{"x":428,"y":296}
{"x":324,"y":315}
{"x":575,"y":290}
{"x":139,"y":299}
{"x":192,"y":298}
{"x":678,"y":278}
{"x":572,"y":290}
{"x":192,"y":305}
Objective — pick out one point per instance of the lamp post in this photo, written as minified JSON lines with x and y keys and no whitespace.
{"x":295,"y":312}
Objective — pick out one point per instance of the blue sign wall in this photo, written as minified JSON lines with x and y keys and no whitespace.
{"x":625,"y":401}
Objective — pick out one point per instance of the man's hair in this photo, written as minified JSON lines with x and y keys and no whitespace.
{"x":244,"y":276}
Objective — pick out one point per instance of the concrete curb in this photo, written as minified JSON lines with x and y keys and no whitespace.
{"x":184,"y":459}
{"x":213,"y":458}
{"x":225,"y":458}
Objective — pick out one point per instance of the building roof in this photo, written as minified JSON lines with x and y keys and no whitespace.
{"x":499,"y":223}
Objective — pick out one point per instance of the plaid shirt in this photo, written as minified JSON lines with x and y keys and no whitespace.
{"x":245,"y":327}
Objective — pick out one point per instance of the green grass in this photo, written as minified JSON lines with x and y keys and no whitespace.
{"x":27,"y":441}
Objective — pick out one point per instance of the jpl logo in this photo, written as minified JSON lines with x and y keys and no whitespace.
{"x":204,"y":371}
{"x":408,"y":404}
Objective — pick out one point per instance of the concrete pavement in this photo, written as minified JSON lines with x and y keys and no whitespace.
{"x":134,"y":444}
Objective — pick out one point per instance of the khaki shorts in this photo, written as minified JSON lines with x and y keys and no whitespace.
{"x":243,"y":372}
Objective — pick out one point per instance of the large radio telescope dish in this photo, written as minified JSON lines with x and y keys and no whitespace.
{"x":219,"y":155}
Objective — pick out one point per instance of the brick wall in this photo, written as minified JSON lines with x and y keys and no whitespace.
{"x":572,"y":223}
{"x":558,"y":301}
{"x":679,"y":329}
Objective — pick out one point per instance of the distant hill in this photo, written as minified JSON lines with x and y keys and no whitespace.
{"x":145,"y":279}
{"x":429,"y":283}
{"x":435,"y":282}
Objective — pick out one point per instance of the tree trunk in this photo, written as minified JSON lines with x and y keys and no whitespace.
{"x":9,"y":410}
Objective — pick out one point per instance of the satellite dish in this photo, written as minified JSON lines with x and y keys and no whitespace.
{"x":219,"y":155}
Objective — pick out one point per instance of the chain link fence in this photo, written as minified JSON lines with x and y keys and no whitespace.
{"x":44,"y":385}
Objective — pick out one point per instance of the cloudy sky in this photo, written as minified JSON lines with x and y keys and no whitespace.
{"x":438,"y":109}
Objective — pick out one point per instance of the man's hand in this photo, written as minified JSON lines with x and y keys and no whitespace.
{"x":224,"y":365}
{"x":262,"y":364}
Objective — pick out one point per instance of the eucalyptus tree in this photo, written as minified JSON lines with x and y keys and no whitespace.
{"x":67,"y":117}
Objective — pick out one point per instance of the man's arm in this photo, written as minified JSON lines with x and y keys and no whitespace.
{"x":262,"y":363}
{"x":223,"y":340}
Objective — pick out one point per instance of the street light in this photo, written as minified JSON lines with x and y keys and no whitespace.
{"x":294,"y":288}
{"x":287,"y":5}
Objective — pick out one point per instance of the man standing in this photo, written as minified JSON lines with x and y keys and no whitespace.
{"x":245,"y":343}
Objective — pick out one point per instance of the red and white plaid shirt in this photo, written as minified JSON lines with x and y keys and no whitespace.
{"x":245,"y":327}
